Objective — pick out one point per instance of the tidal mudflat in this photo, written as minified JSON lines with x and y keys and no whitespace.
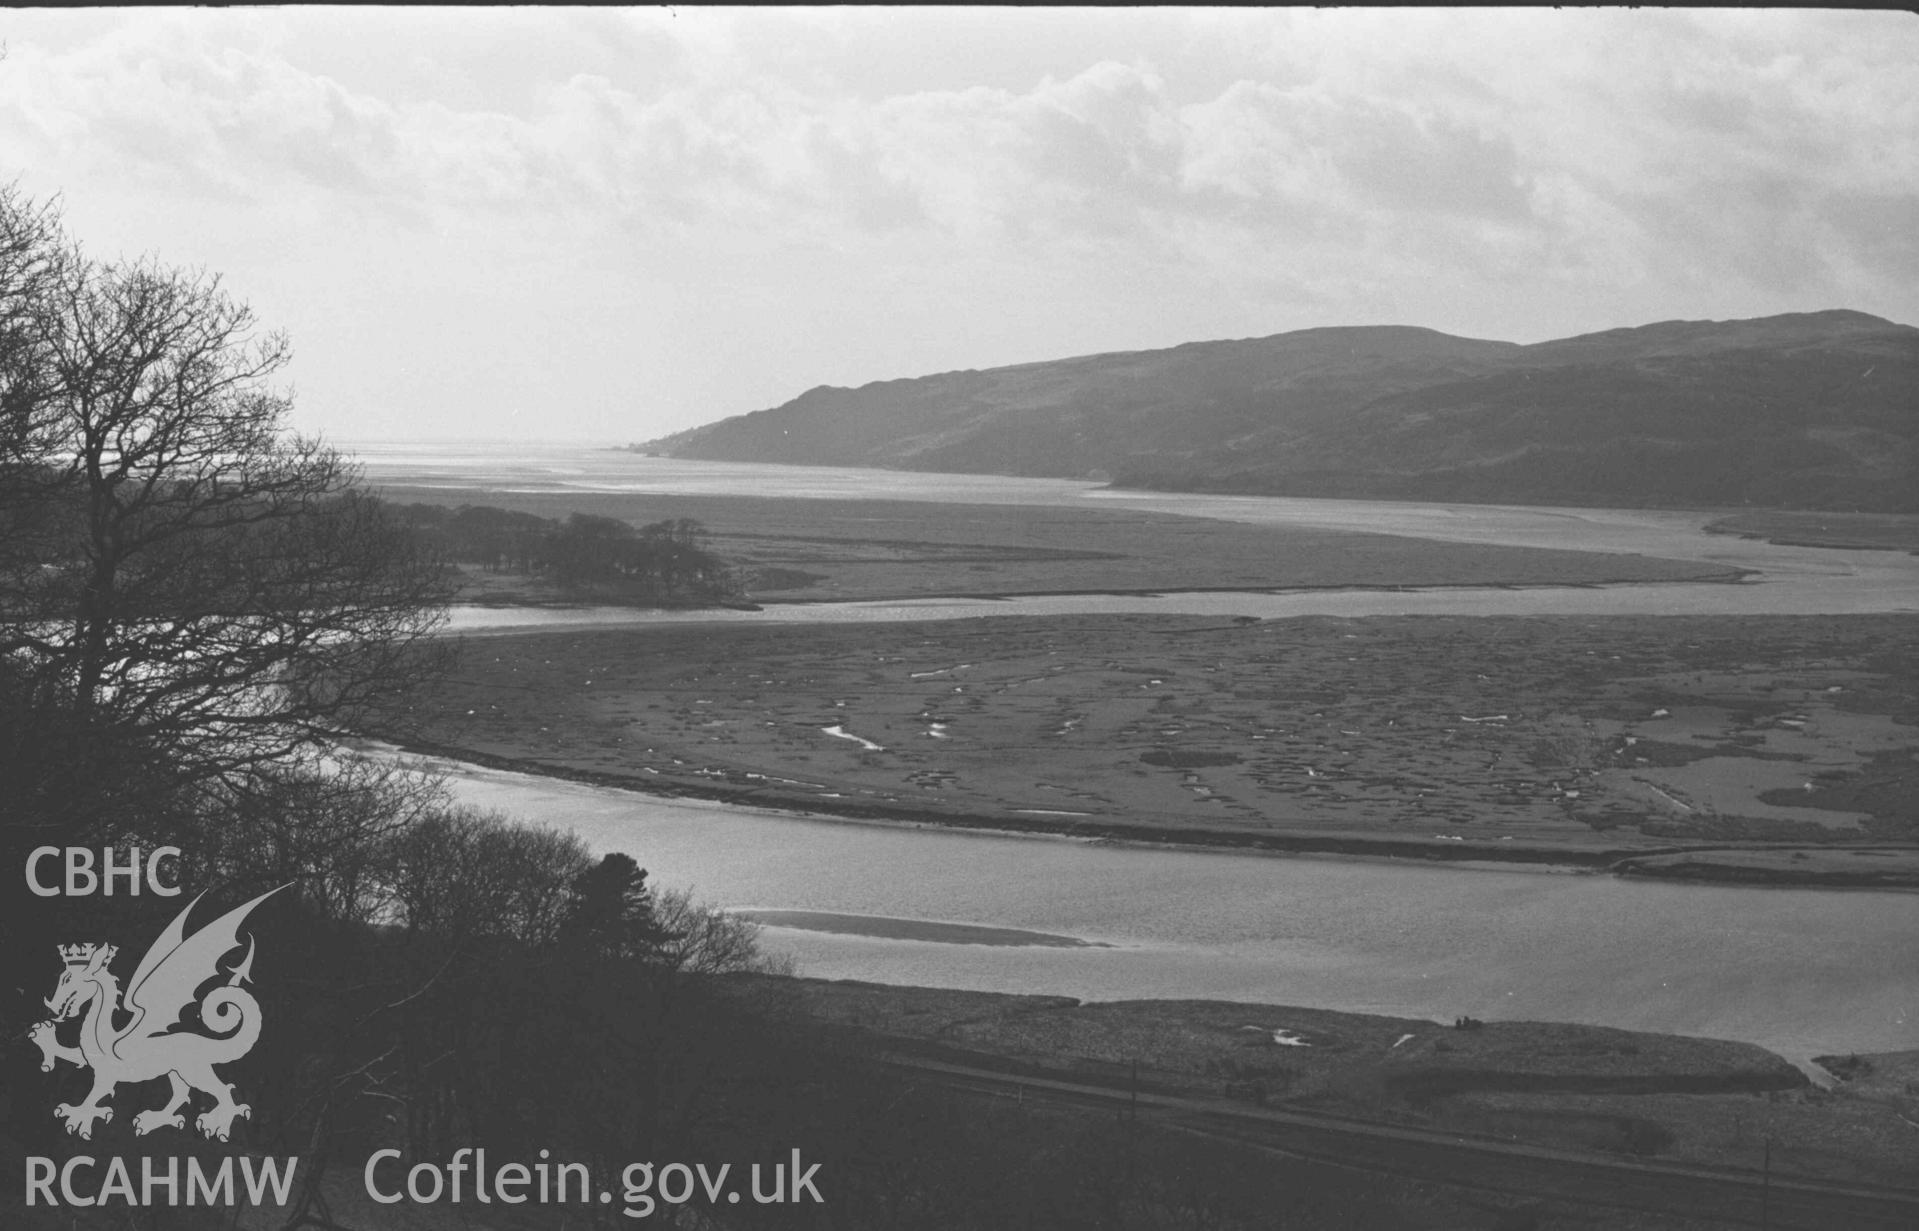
{"x":1520,"y":738}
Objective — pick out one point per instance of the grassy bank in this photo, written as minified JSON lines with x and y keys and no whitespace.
{"x":1550,"y":1084}
{"x":1857,"y":531}
{"x":794,"y":550}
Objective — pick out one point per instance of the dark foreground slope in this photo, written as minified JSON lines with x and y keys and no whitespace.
{"x":1623,"y":1100}
{"x":1814,"y":410}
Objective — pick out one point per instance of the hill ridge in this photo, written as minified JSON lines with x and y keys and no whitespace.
{"x":1807,"y":410}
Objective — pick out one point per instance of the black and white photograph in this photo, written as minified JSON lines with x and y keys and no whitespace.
{"x":971,"y":618}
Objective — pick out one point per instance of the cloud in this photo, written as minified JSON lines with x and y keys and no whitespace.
{"x":1148,"y":175}
{"x":1658,"y":124}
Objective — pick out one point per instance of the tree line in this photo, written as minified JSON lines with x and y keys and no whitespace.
{"x":666,"y":561}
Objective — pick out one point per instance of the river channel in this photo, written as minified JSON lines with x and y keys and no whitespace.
{"x":1800,"y":971}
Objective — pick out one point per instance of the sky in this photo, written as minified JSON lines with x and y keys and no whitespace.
{"x":607,"y":225}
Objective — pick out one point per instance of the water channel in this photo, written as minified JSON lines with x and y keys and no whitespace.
{"x":1800,"y":971}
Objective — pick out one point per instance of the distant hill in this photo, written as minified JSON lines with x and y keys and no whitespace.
{"x":1810,"y":410}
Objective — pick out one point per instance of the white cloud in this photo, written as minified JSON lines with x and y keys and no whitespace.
{"x":1492,"y":172}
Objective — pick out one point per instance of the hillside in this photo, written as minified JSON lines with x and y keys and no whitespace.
{"x":1811,"y":410}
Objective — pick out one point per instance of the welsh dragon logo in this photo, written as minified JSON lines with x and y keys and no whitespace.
{"x":148,"y":1045}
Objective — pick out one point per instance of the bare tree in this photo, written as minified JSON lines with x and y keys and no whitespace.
{"x":331,"y":824}
{"x":189,"y":590}
{"x":708,"y":940}
{"x":461,"y":873}
{"x":35,"y":260}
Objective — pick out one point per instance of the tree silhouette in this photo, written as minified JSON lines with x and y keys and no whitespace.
{"x":187,"y":591}
{"x":610,"y":913}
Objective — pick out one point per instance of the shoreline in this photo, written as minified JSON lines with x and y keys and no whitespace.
{"x":956,"y":1024}
{"x":1630,"y":862}
{"x":1729,"y":575}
